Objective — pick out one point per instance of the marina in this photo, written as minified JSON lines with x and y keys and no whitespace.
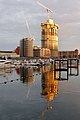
{"x":33,"y":93}
{"x":39,"y":60}
{"x":6,"y":64}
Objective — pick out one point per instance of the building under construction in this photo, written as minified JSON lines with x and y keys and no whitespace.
{"x":49,"y":37}
{"x":26,"y":47}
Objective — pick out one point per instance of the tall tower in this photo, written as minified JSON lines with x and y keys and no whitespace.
{"x":49,"y":37}
{"x":26,"y":47}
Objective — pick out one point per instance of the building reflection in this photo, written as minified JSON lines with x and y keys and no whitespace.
{"x":17,"y":69}
{"x":42,"y":69}
{"x":49,"y":87}
{"x":49,"y":84}
{"x":26,"y":74}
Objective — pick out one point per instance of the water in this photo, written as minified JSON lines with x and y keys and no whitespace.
{"x":34,"y":94}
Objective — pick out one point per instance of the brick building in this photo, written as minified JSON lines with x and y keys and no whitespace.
{"x":68,"y":54}
{"x":8,"y":54}
{"x":41,"y":52}
{"x":26,"y":47}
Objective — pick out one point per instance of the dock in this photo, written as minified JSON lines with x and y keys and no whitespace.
{"x":65,"y":65}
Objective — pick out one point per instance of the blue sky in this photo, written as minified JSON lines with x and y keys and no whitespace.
{"x":14,"y":13}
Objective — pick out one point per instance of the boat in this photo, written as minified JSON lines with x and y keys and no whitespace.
{"x":30,"y":63}
{"x":6,"y":64}
{"x":36,"y":63}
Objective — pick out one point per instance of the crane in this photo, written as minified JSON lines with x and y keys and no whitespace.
{"x":28,"y":28}
{"x":48,"y":10}
{"x":29,"y":31}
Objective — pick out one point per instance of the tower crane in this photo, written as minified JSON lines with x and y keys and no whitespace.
{"x":28,"y":28}
{"x":32,"y":37}
{"x":47,"y":9}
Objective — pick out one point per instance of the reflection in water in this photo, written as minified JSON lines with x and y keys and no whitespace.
{"x":23,"y":101}
{"x":74,"y":71}
{"x":48,"y":83}
{"x":6,"y":75}
{"x":5,"y":72}
{"x":49,"y":87}
{"x":26,"y":74}
{"x":66,"y":67}
{"x":17,"y":70}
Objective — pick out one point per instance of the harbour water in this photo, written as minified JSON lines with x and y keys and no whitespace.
{"x":32,"y":93}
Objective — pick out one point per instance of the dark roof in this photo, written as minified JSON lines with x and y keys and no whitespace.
{"x":6,"y":51}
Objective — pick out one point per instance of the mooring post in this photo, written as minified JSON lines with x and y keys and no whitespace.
{"x":67,"y":69}
{"x":77,"y":67}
